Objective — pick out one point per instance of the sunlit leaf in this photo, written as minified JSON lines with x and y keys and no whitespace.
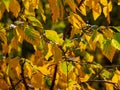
{"x":7,"y":4}
{"x":118,"y":2}
{"x":44,"y":69}
{"x":54,"y":9}
{"x":109,"y":86}
{"x":49,"y":53}
{"x":116,"y":41}
{"x":96,"y":10}
{"x":104,"y":2}
{"x":66,"y":67}
{"x":76,"y":20}
{"x":14,"y":7}
{"x":52,"y":35}
{"x":28,"y":70}
{"x":83,"y":9}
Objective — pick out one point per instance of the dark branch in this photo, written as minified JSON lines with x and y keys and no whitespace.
{"x":54,"y":78}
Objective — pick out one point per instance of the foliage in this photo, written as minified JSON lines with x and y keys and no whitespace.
{"x":48,"y":44}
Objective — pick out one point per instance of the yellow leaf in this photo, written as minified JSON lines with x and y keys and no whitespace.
{"x":72,"y":5}
{"x":109,"y":86}
{"x":89,"y":3}
{"x":36,"y":80}
{"x":44,"y":69}
{"x":76,"y":20}
{"x":54,"y":9}
{"x":83,"y":9}
{"x":104,"y":2}
{"x":110,"y":6}
{"x":2,"y":9}
{"x":28,"y":70}
{"x":116,"y":77}
{"x":7,"y":4}
{"x":49,"y":53}
{"x":53,"y":36}
{"x":30,"y":6}
{"x":14,"y":7}
{"x":15,"y":68}
{"x":96,"y":10}
{"x":57,"y":53}
{"x":118,"y":2}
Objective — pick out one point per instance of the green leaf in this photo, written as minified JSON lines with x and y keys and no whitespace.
{"x":7,"y":4}
{"x":48,"y":82}
{"x":66,"y":67}
{"x":106,"y":74}
{"x":86,"y":69}
{"x":52,"y":35}
{"x":42,"y":44}
{"x":108,"y":50}
{"x":116,"y":41}
{"x":8,"y":70}
{"x":117,"y":28}
{"x":35,"y":21}
{"x":30,"y":33}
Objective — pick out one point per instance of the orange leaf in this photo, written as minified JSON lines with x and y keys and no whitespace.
{"x":15,"y":7}
{"x":96,"y":10}
{"x":36,"y":80}
{"x":54,"y":9}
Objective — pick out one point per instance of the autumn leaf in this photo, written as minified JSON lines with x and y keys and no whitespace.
{"x":15,"y":8}
{"x":118,"y":2}
{"x":76,"y":20}
{"x":96,"y":10}
{"x":2,"y":9}
{"x":36,"y":80}
{"x":116,"y":41}
{"x":66,"y":67}
{"x":7,"y":4}
{"x":72,"y":5}
{"x":52,"y":35}
{"x":57,"y":53}
{"x":54,"y":10}
{"x":108,"y":50}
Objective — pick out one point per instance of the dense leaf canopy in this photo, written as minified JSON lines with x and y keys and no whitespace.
{"x":59,"y":45}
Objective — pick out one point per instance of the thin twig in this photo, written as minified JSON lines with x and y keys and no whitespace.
{"x":54,"y":78}
{"x":12,"y":85}
{"x":22,"y":62}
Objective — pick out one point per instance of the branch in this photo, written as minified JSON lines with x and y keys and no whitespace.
{"x":105,"y":81}
{"x":54,"y":78}
{"x":12,"y":85}
{"x":22,"y":62}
